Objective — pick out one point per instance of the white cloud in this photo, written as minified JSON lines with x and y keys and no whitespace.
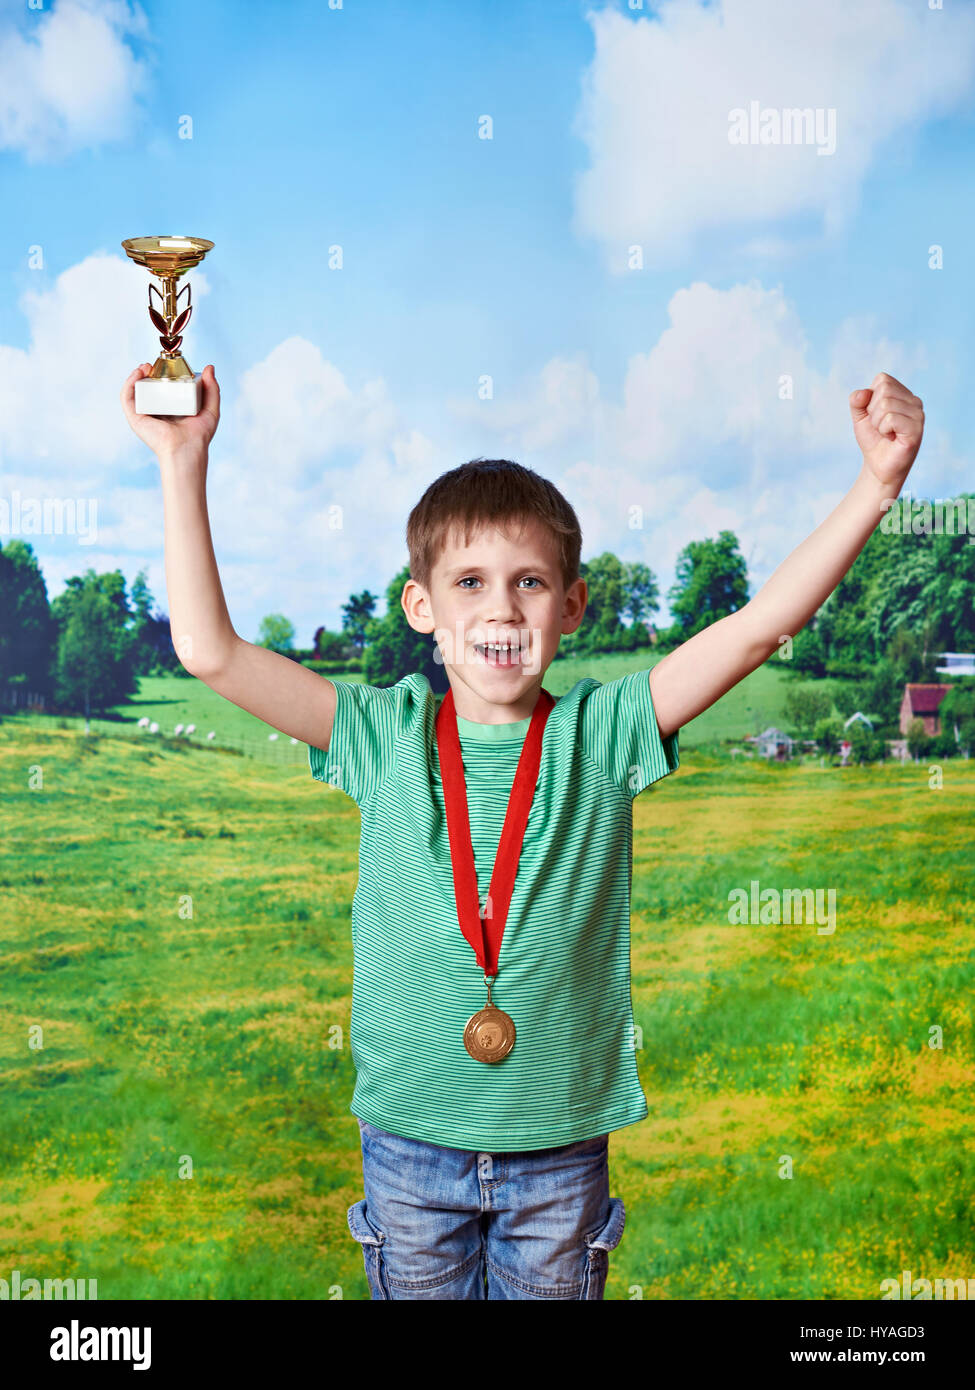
{"x":707,"y":396}
{"x":692,"y":439}
{"x":296,"y":408}
{"x":558,"y":406}
{"x":711,"y":379}
{"x":68,"y":77}
{"x":316,"y":471}
{"x":697,"y":438}
{"x":59,"y":397}
{"x":298,"y":449}
{"x":658,"y":93}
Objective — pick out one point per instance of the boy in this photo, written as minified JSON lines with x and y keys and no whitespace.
{"x":491,"y":1027}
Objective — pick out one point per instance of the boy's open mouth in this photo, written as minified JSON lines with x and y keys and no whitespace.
{"x":503,"y":654}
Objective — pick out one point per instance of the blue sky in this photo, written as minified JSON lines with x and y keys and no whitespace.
{"x":654,"y":388}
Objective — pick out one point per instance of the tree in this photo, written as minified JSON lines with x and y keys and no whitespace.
{"x":908,"y":596}
{"x":950,"y":589}
{"x":712,"y":581}
{"x":897,"y":596}
{"x":111,"y":585}
{"x":912,"y":654}
{"x":845,"y":619}
{"x":884,"y":691}
{"x":95,"y":666}
{"x":808,"y":657}
{"x":918,"y":740}
{"x":850,"y":696}
{"x":605,"y":592}
{"x":153,"y":642}
{"x":865,"y":745}
{"x":828,"y":732}
{"x":945,"y":745}
{"x":958,"y":706}
{"x":805,"y":706}
{"x":140,"y":597}
{"x":28,"y":632}
{"x":331,"y":646}
{"x":640,"y":592}
{"x":613,"y":590}
{"x":394,"y":650}
{"x":966,"y":736}
{"x":277,"y":633}
{"x":356,"y":615}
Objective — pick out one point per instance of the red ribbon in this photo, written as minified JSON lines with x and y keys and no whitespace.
{"x":484,"y":934}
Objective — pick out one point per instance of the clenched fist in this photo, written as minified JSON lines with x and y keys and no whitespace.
{"x":888,"y":423}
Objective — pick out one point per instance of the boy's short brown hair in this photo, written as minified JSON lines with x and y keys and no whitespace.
{"x":489,"y":492}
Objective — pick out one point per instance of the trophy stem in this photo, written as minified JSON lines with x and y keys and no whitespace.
{"x":170,"y":365}
{"x":170,"y":368}
{"x":172,"y":387}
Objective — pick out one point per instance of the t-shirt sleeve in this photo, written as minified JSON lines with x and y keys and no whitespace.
{"x":619,"y":731}
{"x":370,"y":721}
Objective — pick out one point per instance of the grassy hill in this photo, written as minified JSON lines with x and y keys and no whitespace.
{"x":751,"y":706}
{"x":177,"y":924}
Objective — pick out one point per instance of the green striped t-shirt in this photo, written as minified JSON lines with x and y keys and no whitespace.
{"x":564,"y":963}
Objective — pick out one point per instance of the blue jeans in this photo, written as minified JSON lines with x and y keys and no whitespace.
{"x":437,"y":1222}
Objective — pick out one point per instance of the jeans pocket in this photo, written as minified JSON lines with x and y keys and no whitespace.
{"x":372,"y":1240}
{"x":599,"y":1244}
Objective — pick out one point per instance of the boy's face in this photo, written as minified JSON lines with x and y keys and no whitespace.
{"x":497,"y":589}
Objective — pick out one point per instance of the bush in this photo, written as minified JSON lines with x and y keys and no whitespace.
{"x":828,"y":732}
{"x":918,"y":742}
{"x":848,"y":670}
{"x":332,"y":646}
{"x":850,"y":696}
{"x":884,"y":690}
{"x":944,"y":745}
{"x":806,"y":706}
{"x":807,"y":653}
{"x":865,"y":747}
{"x":634,"y":637}
{"x":332,"y":668}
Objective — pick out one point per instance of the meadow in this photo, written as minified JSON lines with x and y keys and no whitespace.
{"x":177,"y":928}
{"x":170,"y":700}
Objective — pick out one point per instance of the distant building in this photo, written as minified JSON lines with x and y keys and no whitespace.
{"x":858,"y":718}
{"x":922,"y":702}
{"x":956,"y":664}
{"x":773,"y":743}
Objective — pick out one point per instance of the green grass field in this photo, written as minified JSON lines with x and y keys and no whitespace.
{"x":749,"y":708}
{"x":177,"y":1044}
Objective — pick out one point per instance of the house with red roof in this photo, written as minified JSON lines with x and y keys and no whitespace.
{"x":922,"y":702}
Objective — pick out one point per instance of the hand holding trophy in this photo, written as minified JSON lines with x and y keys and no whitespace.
{"x":170,"y":388}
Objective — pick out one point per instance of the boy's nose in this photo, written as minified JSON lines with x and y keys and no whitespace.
{"x":501,"y":616}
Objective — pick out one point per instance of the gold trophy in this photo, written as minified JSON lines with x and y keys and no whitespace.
{"x":172,"y":387}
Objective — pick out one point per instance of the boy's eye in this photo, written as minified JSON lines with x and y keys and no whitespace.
{"x":533,"y":578}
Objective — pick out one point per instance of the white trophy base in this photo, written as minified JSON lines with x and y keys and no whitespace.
{"x":164,"y":397}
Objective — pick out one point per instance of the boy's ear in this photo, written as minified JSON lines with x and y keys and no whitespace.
{"x":574,"y":608}
{"x":415,"y":603}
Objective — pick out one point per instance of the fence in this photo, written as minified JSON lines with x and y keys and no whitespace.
{"x":16,"y":697}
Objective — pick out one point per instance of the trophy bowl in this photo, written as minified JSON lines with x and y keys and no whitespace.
{"x":172,"y":387}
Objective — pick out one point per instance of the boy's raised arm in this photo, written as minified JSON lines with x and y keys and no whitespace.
{"x":888,"y":422}
{"x":284,"y":694}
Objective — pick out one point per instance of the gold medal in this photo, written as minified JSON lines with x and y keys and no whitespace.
{"x":490,"y":1033}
